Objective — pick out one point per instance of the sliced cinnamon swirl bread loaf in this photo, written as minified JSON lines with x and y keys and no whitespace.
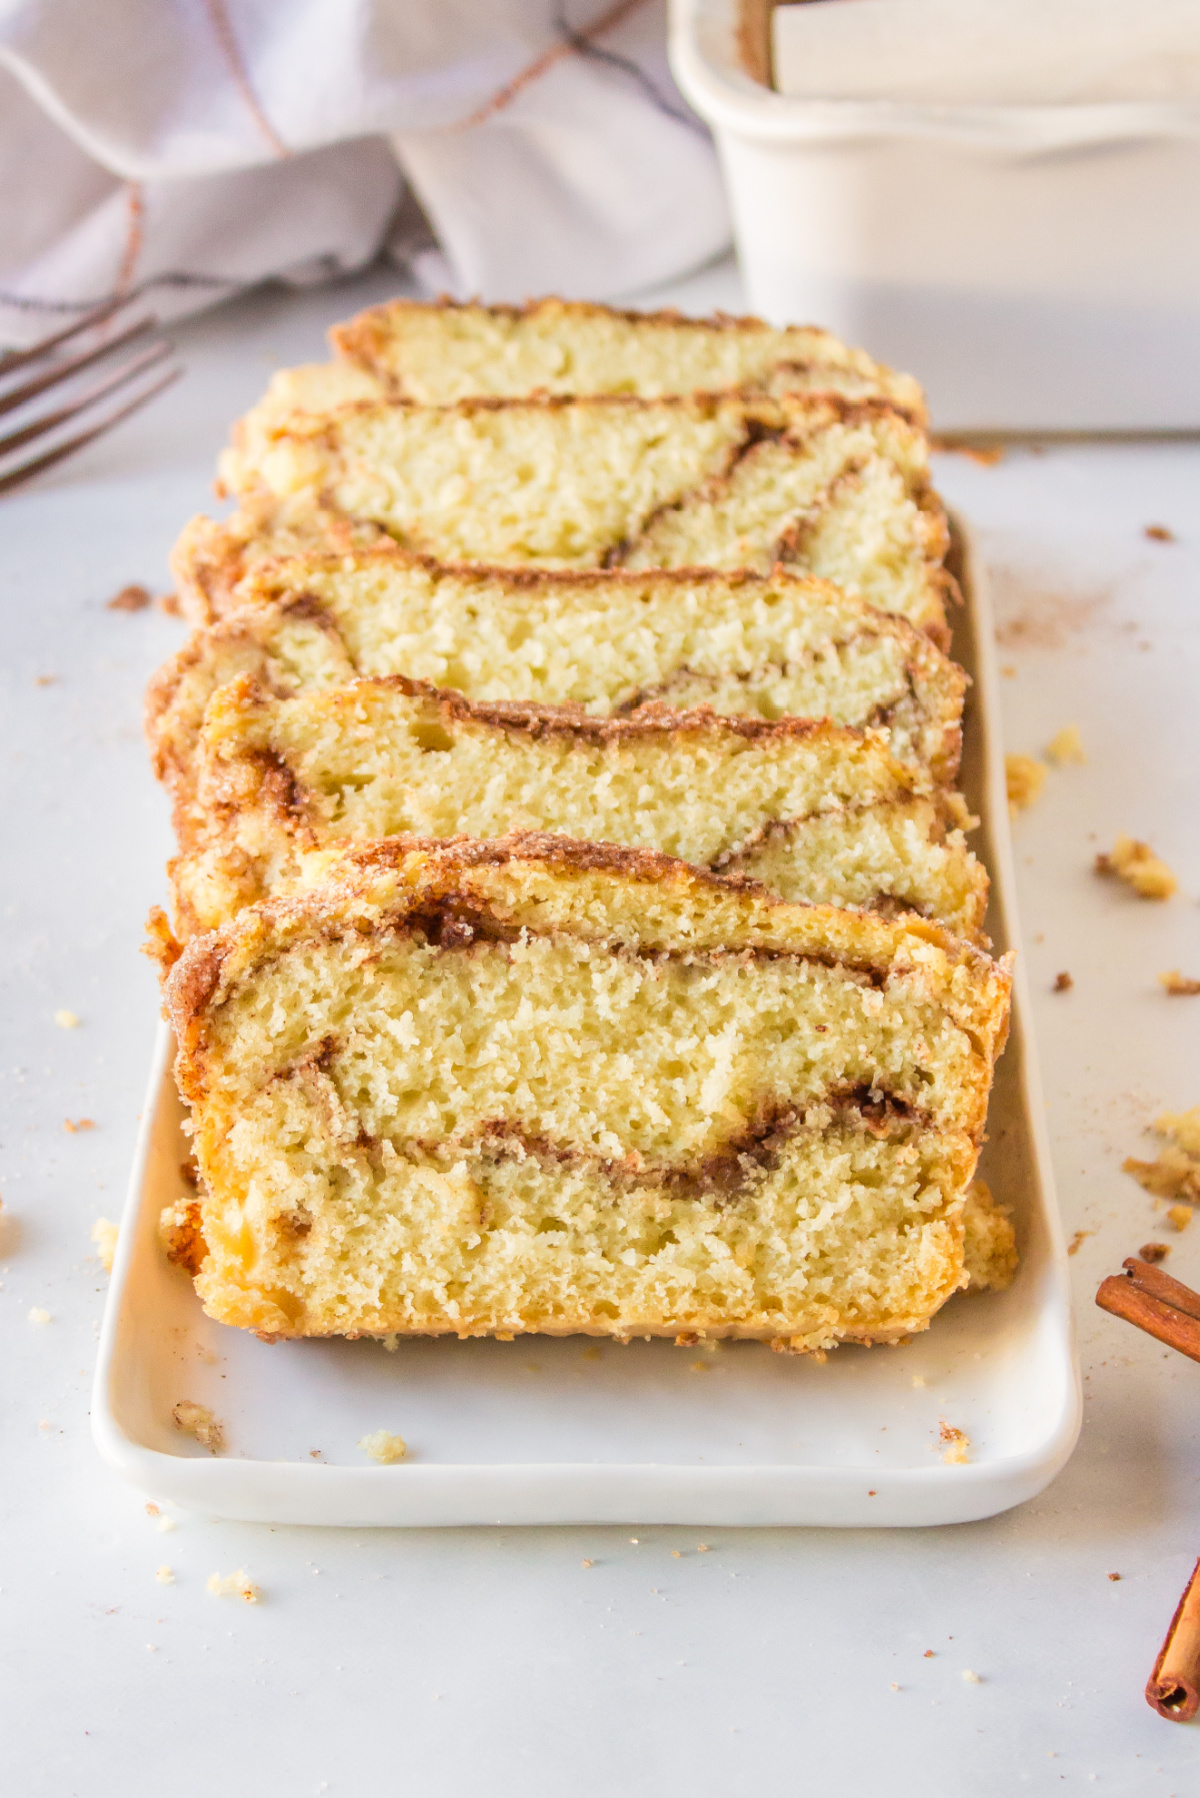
{"x":535,"y":1086}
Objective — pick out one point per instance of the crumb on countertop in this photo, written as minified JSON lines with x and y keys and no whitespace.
{"x":169,"y":603}
{"x":1114,"y":1576}
{"x":104,"y":1236}
{"x":1159,"y":533}
{"x":74,"y":1125}
{"x":38,"y":1316}
{"x":1024,"y":777}
{"x":234,"y":1585}
{"x":130,"y":599}
{"x":1179,"y":1216}
{"x":1175,"y":1171}
{"x":66,"y":1020}
{"x":1063,"y":982}
{"x":198,"y":1421}
{"x":956,"y":1444}
{"x":1078,"y":1240}
{"x":164,"y":1575}
{"x":1137,"y":865}
{"x":1154,"y":1251}
{"x":1179,"y":985}
{"x":972,"y":1678}
{"x":383,"y":1447}
{"x":1066,"y":746}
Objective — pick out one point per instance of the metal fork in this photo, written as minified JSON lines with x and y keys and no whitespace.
{"x":136,"y":354}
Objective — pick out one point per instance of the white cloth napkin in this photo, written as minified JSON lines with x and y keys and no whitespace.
{"x":989,"y":52}
{"x":195,"y":147}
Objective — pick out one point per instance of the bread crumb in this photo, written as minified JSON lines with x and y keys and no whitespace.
{"x":1154,"y":1251}
{"x":1024,"y":777}
{"x":164,"y":1575}
{"x":956,"y":1444}
{"x":1179,"y":1217}
{"x":1009,"y":670}
{"x":702,"y":1548}
{"x":169,"y":603}
{"x":895,"y":1686}
{"x":1077,"y":1241}
{"x":198,"y":1421}
{"x":587,"y":1563}
{"x":383,"y":1447}
{"x":45,"y":680}
{"x":1159,"y":533}
{"x":66,"y":1020}
{"x":1066,"y":746}
{"x":591,"y":1353}
{"x":166,"y":1525}
{"x":1114,"y":1576}
{"x":38,"y":1316}
{"x":971,"y":1678}
{"x":1175,"y":1171}
{"x":129,"y":599}
{"x":74,"y":1125}
{"x":390,"y":1343}
{"x":104,"y":1235}
{"x":1137,"y":865}
{"x":234,"y":1585}
{"x":1063,"y":982}
{"x":151,"y":1508}
{"x":928,"y":1655}
{"x":1177,"y":985}
{"x":698,"y":1367}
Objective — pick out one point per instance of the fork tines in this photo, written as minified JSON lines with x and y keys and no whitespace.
{"x":89,"y":362}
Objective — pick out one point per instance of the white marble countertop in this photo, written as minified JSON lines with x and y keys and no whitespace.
{"x":448,"y":1662}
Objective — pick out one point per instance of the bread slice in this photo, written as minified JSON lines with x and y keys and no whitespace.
{"x":818,"y":811}
{"x":746,"y":645}
{"x":484,"y":1089}
{"x":440,"y":353}
{"x":838,"y":490}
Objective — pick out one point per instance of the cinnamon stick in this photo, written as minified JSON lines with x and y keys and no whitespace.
{"x":1153,"y":1279}
{"x":1173,"y":1689}
{"x":1140,"y":1303}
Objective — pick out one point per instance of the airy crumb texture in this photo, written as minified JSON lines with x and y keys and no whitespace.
{"x":956,"y":1451}
{"x":989,"y":1241}
{"x":1067,"y":746}
{"x":198,"y":1421}
{"x":1179,"y":985}
{"x":1024,"y":777}
{"x":66,"y":1020}
{"x":818,"y":813}
{"x":383,"y":1447}
{"x":104,"y":1236}
{"x":440,"y":352}
{"x":1175,"y":1171}
{"x":1137,"y":865}
{"x":839,"y":490}
{"x":234,"y":1585}
{"x":538,"y":1085}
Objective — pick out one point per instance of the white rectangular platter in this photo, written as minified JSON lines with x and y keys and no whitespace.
{"x":570,"y":1431}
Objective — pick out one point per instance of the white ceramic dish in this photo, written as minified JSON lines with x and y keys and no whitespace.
{"x":554,"y":1432}
{"x":1040,"y":265}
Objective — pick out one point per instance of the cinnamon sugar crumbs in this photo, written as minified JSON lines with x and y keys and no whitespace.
{"x":1114,"y":1576}
{"x":234,"y":1585}
{"x":198,"y":1421}
{"x":104,"y":1236}
{"x":1063,"y":983}
{"x":1178,"y":985}
{"x":1078,"y":1240}
{"x":1175,"y":1171}
{"x":73,"y":1126}
{"x":956,"y":1444}
{"x":1024,"y":777}
{"x":1154,"y":1251}
{"x":1066,"y":746}
{"x":129,"y":599}
{"x":1159,"y":533}
{"x":1137,"y":865}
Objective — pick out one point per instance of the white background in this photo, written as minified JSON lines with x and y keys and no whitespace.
{"x":454,"y":1662}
